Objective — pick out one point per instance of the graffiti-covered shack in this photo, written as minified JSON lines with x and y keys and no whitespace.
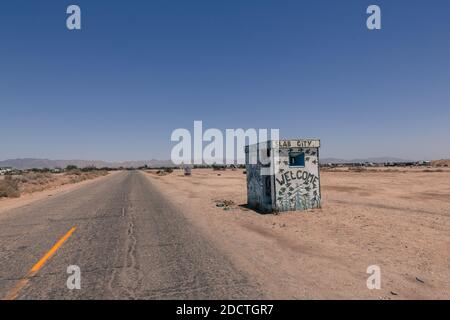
{"x":283,"y":175}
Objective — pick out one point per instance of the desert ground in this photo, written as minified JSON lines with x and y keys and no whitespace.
{"x":398,"y":220}
{"x":149,"y":235}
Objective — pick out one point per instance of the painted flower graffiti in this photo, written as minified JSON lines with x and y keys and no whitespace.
{"x":298,"y":188}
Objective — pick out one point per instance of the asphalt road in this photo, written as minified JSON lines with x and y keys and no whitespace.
{"x":128,"y":241}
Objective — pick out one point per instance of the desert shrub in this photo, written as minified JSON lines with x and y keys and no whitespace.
{"x":35,"y":178}
{"x":9,"y":187}
{"x":164,"y":171}
{"x":391,"y":170}
{"x":75,"y":172}
{"x":357,"y":169}
{"x":78,"y":175}
{"x":217,"y":167}
{"x":23,"y":179}
{"x":71,"y":167}
{"x":35,"y":181}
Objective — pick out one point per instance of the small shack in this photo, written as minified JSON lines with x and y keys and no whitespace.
{"x":187,"y":170}
{"x":283,"y":175}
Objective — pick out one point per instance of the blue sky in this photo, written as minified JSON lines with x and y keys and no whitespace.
{"x":140,"y":69}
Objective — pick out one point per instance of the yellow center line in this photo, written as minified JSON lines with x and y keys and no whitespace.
{"x":14,"y":292}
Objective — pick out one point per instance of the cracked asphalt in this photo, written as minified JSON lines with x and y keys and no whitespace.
{"x":129,"y":242}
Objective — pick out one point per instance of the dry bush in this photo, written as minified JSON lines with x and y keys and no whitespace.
{"x":35,"y":181}
{"x":357,"y":169}
{"x":38,"y":178}
{"x":75,"y":172}
{"x":9,"y":187}
{"x":78,"y":176}
{"x":164,"y":172}
{"x":38,"y":181}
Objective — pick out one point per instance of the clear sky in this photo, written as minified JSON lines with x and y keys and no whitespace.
{"x":140,"y":69}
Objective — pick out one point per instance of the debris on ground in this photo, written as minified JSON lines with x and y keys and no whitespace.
{"x":419,"y":280}
{"x":164,"y":172}
{"x":224,"y":204}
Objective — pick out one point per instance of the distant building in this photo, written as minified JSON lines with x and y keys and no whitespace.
{"x":294,"y":182}
{"x":5,"y":170}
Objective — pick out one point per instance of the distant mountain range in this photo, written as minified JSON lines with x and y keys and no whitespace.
{"x":370,"y":160}
{"x":30,"y":163}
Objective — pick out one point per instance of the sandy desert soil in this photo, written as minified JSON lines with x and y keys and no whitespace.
{"x":441,"y":163}
{"x":398,"y":220}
